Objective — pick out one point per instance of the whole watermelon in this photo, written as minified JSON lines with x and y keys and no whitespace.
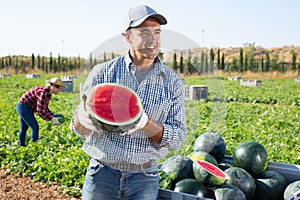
{"x":241,"y":179}
{"x":291,"y":189}
{"x":251,"y":156}
{"x":191,"y":186}
{"x":178,"y":167}
{"x":229,"y":192}
{"x":212,"y":143}
{"x":270,"y":185}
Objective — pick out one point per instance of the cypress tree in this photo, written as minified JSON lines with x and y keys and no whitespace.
{"x":294,"y":65}
{"x":181,"y":67}
{"x":218,"y":59}
{"x":51,"y":62}
{"x":223,"y":61}
{"x":267,"y":64}
{"x":38,"y":61}
{"x":32,"y":61}
{"x":104,"y":57}
{"x":246,"y":63}
{"x":174,"y":64}
{"x":262,"y":63}
{"x":212,"y":59}
{"x":190,"y":68}
{"x":16,"y":67}
{"x":241,"y":60}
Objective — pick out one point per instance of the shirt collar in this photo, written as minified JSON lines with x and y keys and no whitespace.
{"x":130,"y":66}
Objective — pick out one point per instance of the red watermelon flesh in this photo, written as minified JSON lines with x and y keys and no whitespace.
{"x":208,"y":173}
{"x":114,"y":104}
{"x":212,"y":169}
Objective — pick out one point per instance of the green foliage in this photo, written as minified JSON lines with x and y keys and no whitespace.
{"x":269,"y":115}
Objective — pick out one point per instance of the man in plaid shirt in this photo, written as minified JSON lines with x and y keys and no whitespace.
{"x":124,"y":166}
{"x":36,"y":100}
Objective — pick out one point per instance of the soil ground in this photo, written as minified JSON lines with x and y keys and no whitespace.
{"x":24,"y":188}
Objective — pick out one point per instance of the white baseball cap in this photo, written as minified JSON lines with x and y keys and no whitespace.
{"x":139,"y":14}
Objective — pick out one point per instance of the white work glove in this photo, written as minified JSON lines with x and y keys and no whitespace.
{"x":140,"y":124}
{"x":55,"y":121}
{"x":85,"y":118}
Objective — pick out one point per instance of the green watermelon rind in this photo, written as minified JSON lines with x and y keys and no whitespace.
{"x":191,"y":186}
{"x":229,"y":192}
{"x":270,"y":185}
{"x":212,"y":143}
{"x":60,"y":116}
{"x":204,"y":176}
{"x":178,"y":167}
{"x":242,"y":179}
{"x":127,"y":124}
{"x":251,"y":156}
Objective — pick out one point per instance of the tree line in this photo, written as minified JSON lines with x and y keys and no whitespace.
{"x":205,"y":62}
{"x":23,"y":64}
{"x":248,"y":59}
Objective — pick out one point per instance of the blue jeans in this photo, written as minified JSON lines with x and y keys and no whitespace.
{"x":27,"y":119}
{"x":103,"y":183}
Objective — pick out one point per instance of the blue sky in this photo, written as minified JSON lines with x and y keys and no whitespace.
{"x":78,"y":27}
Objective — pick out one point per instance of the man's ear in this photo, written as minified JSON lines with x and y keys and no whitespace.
{"x":127,"y":36}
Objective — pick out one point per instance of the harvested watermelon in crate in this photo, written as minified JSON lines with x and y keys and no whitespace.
{"x":247,"y":175}
{"x":290,"y":172}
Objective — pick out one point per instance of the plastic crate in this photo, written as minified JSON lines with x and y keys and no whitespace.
{"x":289,"y":171}
{"x":255,"y":83}
{"x":197,"y":92}
{"x":69,"y":86}
{"x":295,"y":196}
{"x":164,"y":194}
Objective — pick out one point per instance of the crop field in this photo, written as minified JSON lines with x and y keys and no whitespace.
{"x":269,"y":114}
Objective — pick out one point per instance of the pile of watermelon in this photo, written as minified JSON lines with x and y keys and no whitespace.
{"x":208,"y":173}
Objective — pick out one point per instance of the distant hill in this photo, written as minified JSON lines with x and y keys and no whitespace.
{"x":283,"y":53}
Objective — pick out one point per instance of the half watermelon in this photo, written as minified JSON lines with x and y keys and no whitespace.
{"x":208,"y":174}
{"x":117,"y":107}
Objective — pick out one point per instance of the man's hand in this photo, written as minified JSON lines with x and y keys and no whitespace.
{"x":55,"y":121}
{"x":139,"y":125}
{"x":85,"y":118}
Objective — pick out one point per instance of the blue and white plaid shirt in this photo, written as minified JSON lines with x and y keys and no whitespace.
{"x":162,"y":93}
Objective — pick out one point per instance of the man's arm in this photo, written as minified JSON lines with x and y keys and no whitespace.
{"x":154,"y":130}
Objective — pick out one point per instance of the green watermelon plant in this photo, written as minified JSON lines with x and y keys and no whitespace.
{"x":269,"y":115}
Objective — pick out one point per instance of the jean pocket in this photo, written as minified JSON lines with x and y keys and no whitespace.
{"x":94,"y":167}
{"x":151,"y":172}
